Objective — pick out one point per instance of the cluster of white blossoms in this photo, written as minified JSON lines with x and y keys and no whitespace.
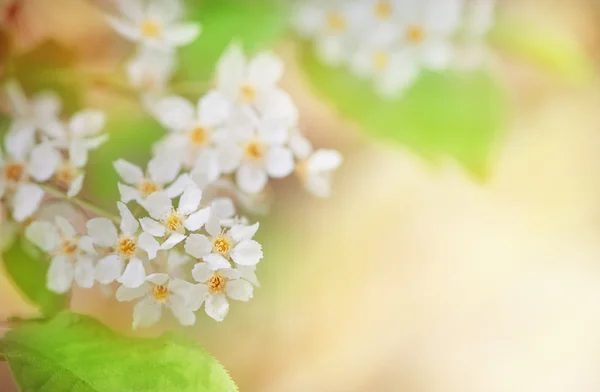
{"x":185,"y":246}
{"x":391,"y":41}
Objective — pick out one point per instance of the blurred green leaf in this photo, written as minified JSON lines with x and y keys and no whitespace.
{"x":76,"y":353}
{"x":443,"y":114}
{"x":27,"y":270}
{"x":254,"y":23}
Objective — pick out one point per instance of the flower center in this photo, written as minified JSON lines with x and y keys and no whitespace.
{"x":383,"y":10}
{"x":415,"y":34}
{"x":216,"y":283}
{"x":126,"y":246}
{"x":14,"y":171}
{"x":160,"y":293}
{"x":198,"y":136}
{"x":254,"y":151}
{"x":65,"y":174}
{"x":174,"y":222}
{"x":336,"y":22}
{"x":247,"y":93}
{"x":151,"y":29}
{"x":147,"y":187}
{"x":380,"y":60}
{"x":221,"y":244}
{"x":68,"y":247}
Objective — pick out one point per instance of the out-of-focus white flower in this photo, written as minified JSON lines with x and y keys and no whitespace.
{"x":180,"y":297}
{"x":195,"y":130}
{"x":155,"y":24}
{"x":149,"y":71}
{"x":72,"y":254}
{"x":218,"y":285}
{"x":69,"y":176}
{"x":317,"y":171}
{"x":479,"y":18}
{"x":161,"y":171}
{"x":172,"y":222}
{"x":235,"y":244}
{"x":127,"y":249}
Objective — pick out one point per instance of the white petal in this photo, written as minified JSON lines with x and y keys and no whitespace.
{"x":132,"y":9}
{"x":182,"y":33}
{"x":126,"y":29}
{"x":240,"y":233}
{"x":109,"y":269}
{"x":437,"y":55}
{"x":247,"y":252}
{"x":43,"y":162}
{"x":148,"y":244}
{"x":324,"y":160}
{"x":27,"y":200}
{"x":43,"y":234}
{"x":165,"y":11}
{"x":146,"y":312}
{"x":239,"y":289}
{"x":175,"y":113}
{"x":102,"y":231}
{"x":213,"y":109}
{"x":128,"y":193}
{"x":173,"y":240}
{"x":213,"y":226}
{"x":129,"y":225}
{"x":230,"y":157}
{"x":87,"y":245}
{"x":46,"y":105}
{"x":198,"y":219}
{"x":230,"y":273}
{"x":231,"y":68}
{"x":222,"y":207}
{"x":184,"y":314}
{"x":265,"y":69}
{"x":125,"y":294}
{"x":217,"y":306}
{"x":198,"y":245}
{"x":300,"y":145}
{"x":60,"y":275}
{"x":78,"y":153}
{"x":153,"y":227}
{"x":251,"y":179}
{"x":202,"y":272}
{"x":163,"y":169}
{"x":179,"y":185}
{"x":134,"y":274}
{"x":85,"y":272}
{"x":248,"y":273}
{"x":95,"y":142}
{"x":216,"y":261}
{"x":157,"y":204}
{"x":158,"y":279}
{"x":16,"y":97}
{"x":76,"y":186}
{"x":19,"y":141}
{"x":65,"y":227}
{"x":279,"y":162}
{"x":87,"y":122}
{"x":129,"y":172}
{"x":190,"y":200}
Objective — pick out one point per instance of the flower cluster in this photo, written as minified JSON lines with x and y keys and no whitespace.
{"x":391,"y":41}
{"x":178,"y":242}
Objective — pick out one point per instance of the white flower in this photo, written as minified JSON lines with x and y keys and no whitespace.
{"x":161,"y":171}
{"x":69,"y":176}
{"x":195,"y":130}
{"x":72,"y":254}
{"x":235,"y":244}
{"x":254,"y":82}
{"x":180,"y":297}
{"x":39,"y":113}
{"x":156,"y":24}
{"x":218,"y":285}
{"x":173,"y":222}
{"x":149,"y":71}
{"x":317,"y":171}
{"x":126,"y":249}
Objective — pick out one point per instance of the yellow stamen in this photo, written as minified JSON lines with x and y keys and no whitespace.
{"x":216,"y":284}
{"x":69,"y":247}
{"x":174,"y":222}
{"x":14,"y":171}
{"x":383,"y":10}
{"x":248,"y":93}
{"x":380,"y":60}
{"x":65,"y":174}
{"x":198,"y":136}
{"x":415,"y":34}
{"x":254,"y":151}
{"x":151,"y":29}
{"x":147,"y":188}
{"x":126,"y":246}
{"x":160,"y":293}
{"x":222,"y":244}
{"x":336,"y":22}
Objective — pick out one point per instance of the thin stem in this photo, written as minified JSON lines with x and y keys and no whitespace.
{"x":83,"y":204}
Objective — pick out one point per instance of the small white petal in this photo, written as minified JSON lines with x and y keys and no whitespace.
{"x":87,"y":122}
{"x":182,"y":33}
{"x":198,"y":245}
{"x":279,"y":162}
{"x":265,"y":69}
{"x":163,"y":169}
{"x":213,"y":109}
{"x":133,"y":9}
{"x":95,"y":142}
{"x":126,"y":294}
{"x":324,"y":160}
{"x":247,"y":252}
{"x":184,"y":314}
{"x":158,"y":279}
{"x":60,"y":275}
{"x":76,"y":186}
{"x":109,"y":269}
{"x":217,"y":306}
{"x":165,"y":11}
{"x":175,"y":113}
{"x":202,"y":272}
{"x":125,"y":29}
{"x":65,"y":227}
{"x":85,"y":272}
{"x":129,"y":172}
{"x":43,"y":162}
{"x":231,"y":68}
{"x":87,"y":245}
{"x":179,"y":185}
{"x":300,"y":146}
{"x":216,"y":261}
{"x":19,"y":141}
{"x":239,"y":289}
{"x":153,"y":227}
{"x":43,"y":234}
{"x":147,"y":242}
{"x":222,"y":207}
{"x":240,"y":233}
{"x":195,"y":221}
{"x":102,"y":231}
{"x":78,"y":153}
{"x":190,"y":200}
{"x":128,"y":193}
{"x":134,"y":274}
{"x":248,"y":273}
{"x":157,"y":204}
{"x":173,"y":240}
{"x":27,"y":200}
{"x":251,"y":179}
{"x":146,"y":312}
{"x":129,"y":225}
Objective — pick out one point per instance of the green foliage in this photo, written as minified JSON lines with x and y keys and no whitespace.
{"x":254,"y":23}
{"x":28,"y":270}
{"x":443,"y":114}
{"x":76,"y":353}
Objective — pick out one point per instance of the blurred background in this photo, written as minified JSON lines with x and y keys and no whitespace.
{"x":419,"y":274}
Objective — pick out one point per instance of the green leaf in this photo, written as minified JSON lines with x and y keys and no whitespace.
{"x":27,"y":270}
{"x":254,"y":23}
{"x":443,"y":114}
{"x":76,"y":353}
